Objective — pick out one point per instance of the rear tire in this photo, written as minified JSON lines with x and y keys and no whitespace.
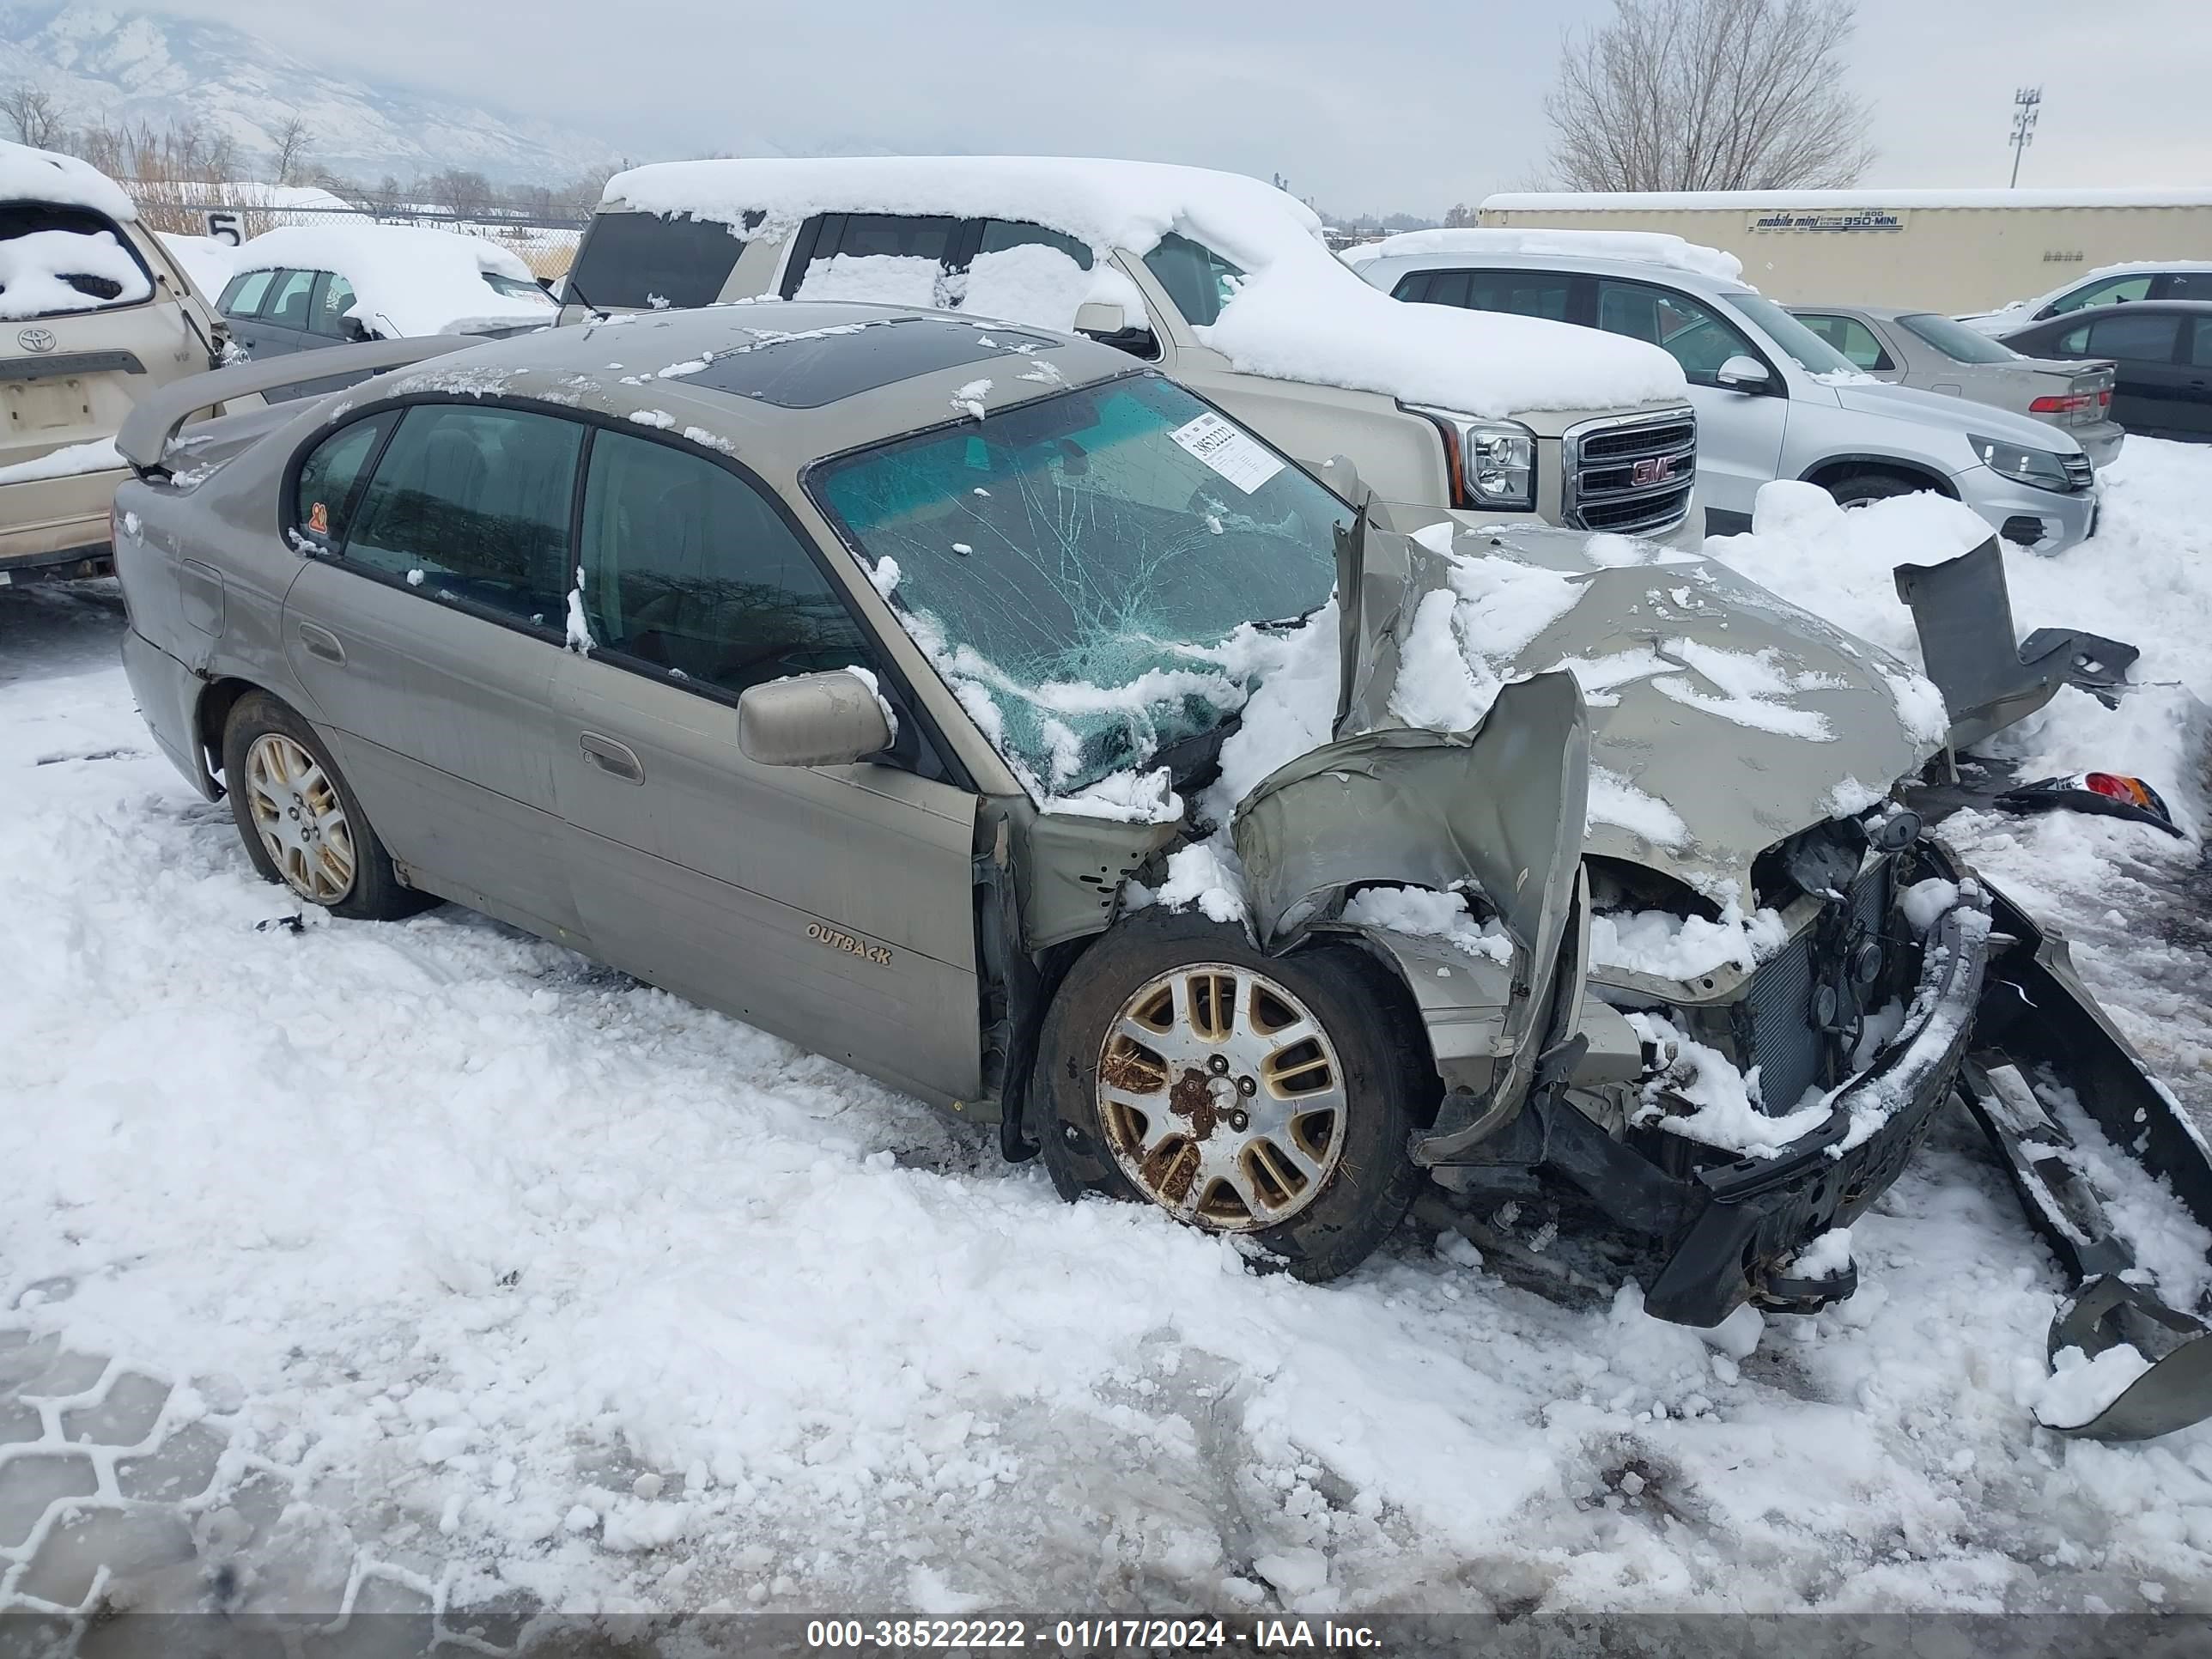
{"x":300,"y":823}
{"x":1857,"y":488}
{"x":1269,"y":1096}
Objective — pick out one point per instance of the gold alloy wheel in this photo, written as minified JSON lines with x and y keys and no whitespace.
{"x":1221,"y":1097}
{"x":301,"y":819}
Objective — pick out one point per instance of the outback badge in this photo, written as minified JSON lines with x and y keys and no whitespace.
{"x":823,"y":933}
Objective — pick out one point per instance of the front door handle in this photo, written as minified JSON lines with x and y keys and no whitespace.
{"x":320,"y":642}
{"x":612,"y":757}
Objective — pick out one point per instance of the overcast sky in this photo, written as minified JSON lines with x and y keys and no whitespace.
{"x":1407,"y":106}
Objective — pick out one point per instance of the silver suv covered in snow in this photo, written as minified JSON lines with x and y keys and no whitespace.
{"x":1774,"y":400}
{"x":989,"y":712}
{"x":94,"y":315}
{"x":1221,"y":282}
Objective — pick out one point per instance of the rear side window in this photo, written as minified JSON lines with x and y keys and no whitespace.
{"x":330,"y":478}
{"x":244,"y":297}
{"x":2113,"y":290}
{"x":889,"y":258}
{"x":472,"y":504}
{"x":688,"y":570}
{"x":1520,"y":293}
{"x":2200,"y":344}
{"x":2189,"y":285}
{"x":1198,"y":280}
{"x":287,"y":305}
{"x":2147,"y":339}
{"x":1413,"y":287}
{"x":1001,"y":235}
{"x":643,"y":261}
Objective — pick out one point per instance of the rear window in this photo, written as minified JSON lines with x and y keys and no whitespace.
{"x":55,"y":260}
{"x":643,"y":261}
{"x":1956,"y":341}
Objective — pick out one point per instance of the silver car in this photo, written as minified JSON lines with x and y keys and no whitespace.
{"x":990,"y":712}
{"x":1935,"y":353}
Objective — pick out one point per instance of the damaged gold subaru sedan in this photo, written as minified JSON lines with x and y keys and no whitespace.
{"x":971,"y":706}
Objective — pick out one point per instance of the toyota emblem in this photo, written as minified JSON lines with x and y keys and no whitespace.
{"x":1656,"y":469}
{"x":36,"y":339}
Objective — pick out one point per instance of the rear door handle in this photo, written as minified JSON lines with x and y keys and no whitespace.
{"x":320,"y":642}
{"x":612,"y":757}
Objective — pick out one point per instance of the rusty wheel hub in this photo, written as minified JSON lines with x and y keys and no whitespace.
{"x":1222,"y":1097}
{"x":301,"y":819}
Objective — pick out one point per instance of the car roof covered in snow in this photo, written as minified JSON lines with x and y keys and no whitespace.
{"x":407,"y":279}
{"x":1294,"y":312}
{"x":778,"y":383}
{"x":1456,"y":246}
{"x":41,"y":175}
{"x":1384,"y":273}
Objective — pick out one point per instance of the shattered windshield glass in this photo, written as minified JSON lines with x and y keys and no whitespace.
{"x":1081,"y":568}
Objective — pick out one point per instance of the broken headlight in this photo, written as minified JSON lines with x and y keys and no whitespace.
{"x":1492,"y":463}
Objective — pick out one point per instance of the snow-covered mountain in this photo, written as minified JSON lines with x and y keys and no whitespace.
{"x":101,"y":59}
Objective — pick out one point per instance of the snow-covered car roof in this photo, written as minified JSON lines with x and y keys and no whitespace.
{"x":40,"y":175}
{"x":1296,"y":314}
{"x":2038,"y":301}
{"x":1769,"y":200}
{"x":407,"y":279}
{"x":1642,"y":247}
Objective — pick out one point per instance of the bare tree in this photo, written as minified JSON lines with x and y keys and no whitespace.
{"x":36,"y":117}
{"x":1459,"y":216}
{"x":289,"y":147}
{"x":1709,"y":94}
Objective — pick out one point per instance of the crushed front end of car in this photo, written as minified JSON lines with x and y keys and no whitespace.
{"x":1736,"y":1026}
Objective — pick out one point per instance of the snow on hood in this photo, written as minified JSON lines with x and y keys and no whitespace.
{"x":40,"y":175}
{"x":1296,"y":314}
{"x":1644,"y":246}
{"x":408,"y":280}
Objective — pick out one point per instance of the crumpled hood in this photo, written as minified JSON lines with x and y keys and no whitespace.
{"x":1722,"y":718}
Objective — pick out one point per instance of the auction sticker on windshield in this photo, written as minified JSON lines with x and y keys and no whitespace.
{"x":1229,"y":452}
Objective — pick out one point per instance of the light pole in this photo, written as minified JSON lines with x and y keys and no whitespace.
{"x":2026,"y":104}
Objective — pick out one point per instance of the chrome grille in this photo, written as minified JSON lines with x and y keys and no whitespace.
{"x":1630,"y":474}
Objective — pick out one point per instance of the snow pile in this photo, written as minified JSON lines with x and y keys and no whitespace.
{"x":2079,"y":1387}
{"x":1667,"y":946}
{"x":209,"y":263}
{"x":886,"y":279}
{"x":1644,"y":247}
{"x":1428,"y":914}
{"x":41,"y":175}
{"x":36,"y":273}
{"x":1296,"y":314}
{"x":1828,"y":1256}
{"x":1697,"y":1093}
{"x":407,"y":280}
{"x":67,"y":462}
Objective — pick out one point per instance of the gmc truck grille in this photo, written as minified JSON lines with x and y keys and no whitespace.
{"x":1632,"y":476}
{"x":1783,"y":1036}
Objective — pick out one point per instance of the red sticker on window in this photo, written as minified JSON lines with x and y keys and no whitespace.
{"x":318,"y":519}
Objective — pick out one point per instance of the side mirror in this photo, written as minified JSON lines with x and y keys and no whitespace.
{"x":813,"y":719}
{"x":1341,"y":476}
{"x":353,"y":329}
{"x":1100,"y":316}
{"x":1742,"y":373}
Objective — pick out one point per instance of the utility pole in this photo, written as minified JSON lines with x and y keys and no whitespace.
{"x":2026,"y":103}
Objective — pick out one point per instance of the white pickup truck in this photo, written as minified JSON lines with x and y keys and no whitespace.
{"x":1223,"y":281}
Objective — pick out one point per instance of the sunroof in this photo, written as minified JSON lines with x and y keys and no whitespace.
{"x":806,"y":368}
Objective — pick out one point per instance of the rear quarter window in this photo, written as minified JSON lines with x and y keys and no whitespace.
{"x":329,"y":481}
{"x":643,"y":261}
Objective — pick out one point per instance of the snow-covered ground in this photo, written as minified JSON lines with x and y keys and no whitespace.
{"x":535,"y":1283}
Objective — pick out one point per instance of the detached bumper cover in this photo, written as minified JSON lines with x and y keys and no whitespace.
{"x":1748,"y":1219}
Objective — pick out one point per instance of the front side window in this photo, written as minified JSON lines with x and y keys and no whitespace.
{"x":55,"y":260}
{"x":324,"y":495}
{"x":1198,"y":280}
{"x":333,"y":301}
{"x":690,"y":570}
{"x":1690,"y":331}
{"x":2200,"y":343}
{"x":1956,"y":340}
{"x":2148,"y":339}
{"x":1078,"y":567}
{"x":2113,"y":291}
{"x":887,"y":258}
{"x":1848,"y":336}
{"x":1004,"y":235}
{"x":287,"y":305}
{"x":244,"y":297}
{"x":1804,"y":347}
{"x":472,"y":504}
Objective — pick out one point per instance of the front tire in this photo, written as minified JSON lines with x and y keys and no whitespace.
{"x":1269,"y":1096}
{"x":302,"y":827}
{"x":1857,"y":488}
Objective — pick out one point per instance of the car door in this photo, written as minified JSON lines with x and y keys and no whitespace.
{"x":832,"y":905}
{"x":1739,"y":432}
{"x":328,"y":325}
{"x":283,"y":323}
{"x":2193,"y":407}
{"x":240,"y":305}
{"x":2150,"y":393}
{"x":426,"y":629}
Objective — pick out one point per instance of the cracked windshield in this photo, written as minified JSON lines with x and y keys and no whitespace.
{"x":1078,"y":568}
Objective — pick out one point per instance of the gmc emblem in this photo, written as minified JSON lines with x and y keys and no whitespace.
{"x":1652,"y":470}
